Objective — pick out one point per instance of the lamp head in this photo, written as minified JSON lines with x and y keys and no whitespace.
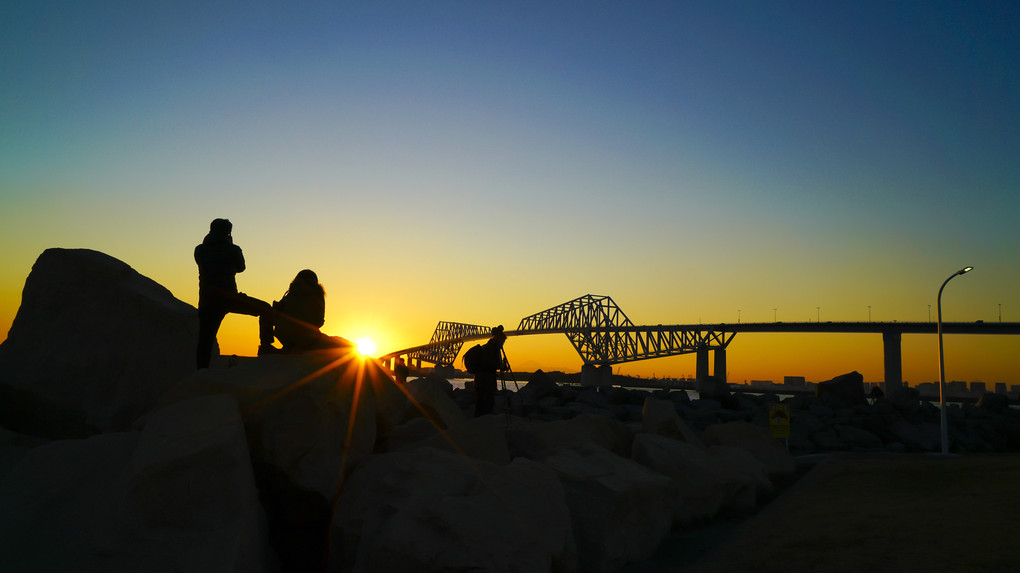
{"x":964,"y":270}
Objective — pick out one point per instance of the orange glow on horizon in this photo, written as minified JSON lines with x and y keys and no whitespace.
{"x":750,"y":356}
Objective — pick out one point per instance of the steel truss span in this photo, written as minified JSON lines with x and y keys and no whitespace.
{"x":603,"y":335}
{"x":597,"y":328}
{"x":447,"y":340}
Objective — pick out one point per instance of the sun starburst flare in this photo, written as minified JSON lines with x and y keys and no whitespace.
{"x":366,"y":346}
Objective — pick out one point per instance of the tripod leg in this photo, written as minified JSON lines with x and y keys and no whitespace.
{"x":506,"y":401}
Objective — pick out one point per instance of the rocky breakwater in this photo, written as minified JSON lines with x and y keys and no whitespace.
{"x":840,"y":417}
{"x":121,"y":457}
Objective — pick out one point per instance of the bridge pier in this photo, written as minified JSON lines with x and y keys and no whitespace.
{"x":701,"y":368}
{"x":891,"y":346}
{"x":595,"y":375}
{"x":701,"y":364}
{"x":720,"y":365}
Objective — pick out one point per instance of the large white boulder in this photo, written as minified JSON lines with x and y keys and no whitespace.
{"x":177,"y":496}
{"x":310,"y":416}
{"x":429,"y":397}
{"x":705,"y":483}
{"x":431,"y":510}
{"x":660,"y":417}
{"x":779,"y":464}
{"x":482,"y":438}
{"x":535,"y":440}
{"x":750,"y":482}
{"x":93,"y":336}
{"x":621,"y":511}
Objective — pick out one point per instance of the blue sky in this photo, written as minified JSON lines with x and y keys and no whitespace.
{"x":479,"y":163}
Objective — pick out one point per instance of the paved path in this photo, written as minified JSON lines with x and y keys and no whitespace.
{"x":870,"y":513}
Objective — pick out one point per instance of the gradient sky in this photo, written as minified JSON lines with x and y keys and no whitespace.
{"x":476,"y":163}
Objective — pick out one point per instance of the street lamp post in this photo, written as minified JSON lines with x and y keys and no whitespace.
{"x":942,"y":363}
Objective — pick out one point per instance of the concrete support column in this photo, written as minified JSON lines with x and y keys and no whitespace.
{"x":720,"y":365}
{"x":891,"y":345}
{"x":594,"y":375}
{"x":701,"y":368}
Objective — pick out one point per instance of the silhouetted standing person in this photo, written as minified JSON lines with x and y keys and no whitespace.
{"x":300,"y":313}
{"x":401,"y":371}
{"x":490,"y":361}
{"x":219,"y":259}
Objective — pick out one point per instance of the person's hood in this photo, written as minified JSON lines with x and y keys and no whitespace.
{"x":211,"y":239}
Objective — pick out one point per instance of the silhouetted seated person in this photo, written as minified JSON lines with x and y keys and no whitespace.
{"x":219,"y":259}
{"x":301,"y":313}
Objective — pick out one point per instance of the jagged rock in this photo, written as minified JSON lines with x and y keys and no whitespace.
{"x":628,"y":413}
{"x":298,"y":410}
{"x":875,"y":424}
{"x":593,"y":397}
{"x":620,"y":510}
{"x":579,"y":408}
{"x":625,"y":396}
{"x":480,"y":438}
{"x":660,"y":417}
{"x":997,"y":403}
{"x":806,"y":423}
{"x":411,"y":431}
{"x":912,"y":437}
{"x":535,"y":440}
{"x":701,"y":484}
{"x":431,"y":398}
{"x":97,"y":339}
{"x":712,"y":388}
{"x":801,"y":444}
{"x":177,"y":496}
{"x":857,"y":439}
{"x":744,"y":469}
{"x":30,"y":413}
{"x":679,"y":397}
{"x":14,"y":447}
{"x":779,"y":464}
{"x":1010,"y":430}
{"x":58,"y":504}
{"x":539,"y":386}
{"x":827,"y":440}
{"x":190,"y":496}
{"x":845,"y":390}
{"x":430,"y":510}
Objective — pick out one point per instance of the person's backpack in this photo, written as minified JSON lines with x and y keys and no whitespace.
{"x":474,"y":358}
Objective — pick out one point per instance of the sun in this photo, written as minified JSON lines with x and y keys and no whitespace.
{"x":366,"y":346}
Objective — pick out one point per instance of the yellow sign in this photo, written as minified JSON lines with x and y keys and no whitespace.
{"x":779,"y":420}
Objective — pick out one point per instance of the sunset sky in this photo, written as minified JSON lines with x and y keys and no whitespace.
{"x":474,"y":162}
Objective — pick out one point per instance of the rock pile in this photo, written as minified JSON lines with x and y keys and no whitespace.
{"x":118,"y":456}
{"x":839,"y":418}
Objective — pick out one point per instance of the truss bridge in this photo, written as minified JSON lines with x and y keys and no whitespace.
{"x":603,"y":336}
{"x":597,"y":328}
